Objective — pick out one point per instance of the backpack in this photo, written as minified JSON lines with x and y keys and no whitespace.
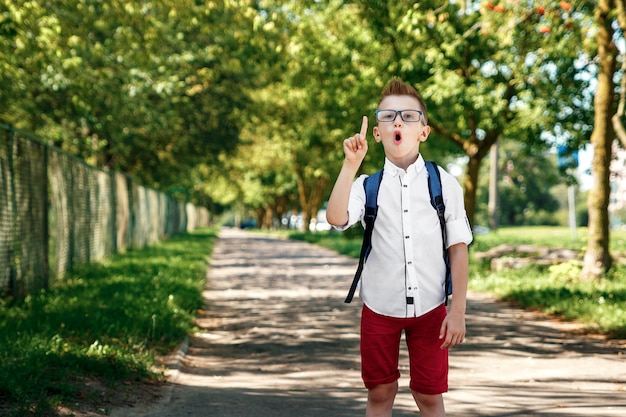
{"x":371,"y":185}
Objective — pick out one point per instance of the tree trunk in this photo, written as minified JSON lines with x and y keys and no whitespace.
{"x":618,"y":126}
{"x":471,"y":182}
{"x":311,"y":191}
{"x":493,"y":187}
{"x":597,"y":259}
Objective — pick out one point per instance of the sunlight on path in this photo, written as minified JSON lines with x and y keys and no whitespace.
{"x":275,"y":339}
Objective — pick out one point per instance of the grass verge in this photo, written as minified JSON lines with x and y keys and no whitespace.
{"x":103,"y":325}
{"x":555,"y":290}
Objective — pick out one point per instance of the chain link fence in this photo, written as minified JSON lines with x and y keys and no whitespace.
{"x":56,"y":211}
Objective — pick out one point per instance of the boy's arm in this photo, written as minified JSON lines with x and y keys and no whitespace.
{"x":453,"y":327}
{"x":355,"y":148}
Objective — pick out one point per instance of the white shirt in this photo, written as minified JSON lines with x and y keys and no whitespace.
{"x":406,"y":259}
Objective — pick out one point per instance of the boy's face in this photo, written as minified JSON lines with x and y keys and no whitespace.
{"x":401,"y":135}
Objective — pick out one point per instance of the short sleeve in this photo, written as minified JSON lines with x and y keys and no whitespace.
{"x":356,"y":203}
{"x":458,"y":229}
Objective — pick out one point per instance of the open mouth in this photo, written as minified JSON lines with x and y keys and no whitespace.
{"x":397,"y":136}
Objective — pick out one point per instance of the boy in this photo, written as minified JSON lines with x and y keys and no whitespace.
{"x":402,"y":284}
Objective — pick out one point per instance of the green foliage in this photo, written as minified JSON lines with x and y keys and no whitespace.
{"x":487,"y":74}
{"x":210,"y":96}
{"x":556,"y":290}
{"x":146,"y":88}
{"x":106,"y":322}
{"x":525,"y":188}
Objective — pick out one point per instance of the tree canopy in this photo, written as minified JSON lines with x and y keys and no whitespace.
{"x":245,"y":103}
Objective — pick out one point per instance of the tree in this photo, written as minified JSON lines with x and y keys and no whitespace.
{"x":166,"y":90}
{"x":525,"y":183}
{"x":597,"y":259}
{"x":316,"y":101}
{"x":487,"y":72}
{"x":148,"y":88}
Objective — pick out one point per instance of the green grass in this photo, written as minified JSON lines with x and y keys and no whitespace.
{"x":105,"y":321}
{"x":556,"y":290}
{"x":544,"y":236}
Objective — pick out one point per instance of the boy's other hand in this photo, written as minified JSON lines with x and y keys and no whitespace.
{"x":452,"y":331}
{"x":355,"y":147}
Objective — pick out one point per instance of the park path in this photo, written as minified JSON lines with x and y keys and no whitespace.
{"x":276,"y":340}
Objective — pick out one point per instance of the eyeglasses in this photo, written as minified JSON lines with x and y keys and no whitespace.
{"x":410,"y":116}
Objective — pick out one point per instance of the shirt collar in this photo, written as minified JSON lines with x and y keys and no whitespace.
{"x":415,"y":168}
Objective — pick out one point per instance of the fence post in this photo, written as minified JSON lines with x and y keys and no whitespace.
{"x":13,"y":273}
{"x":46,"y":220}
{"x":113,"y":196}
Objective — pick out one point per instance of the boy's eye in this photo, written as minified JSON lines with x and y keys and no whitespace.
{"x":386,"y":115}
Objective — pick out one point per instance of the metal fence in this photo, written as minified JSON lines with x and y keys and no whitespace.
{"x":56,"y":211}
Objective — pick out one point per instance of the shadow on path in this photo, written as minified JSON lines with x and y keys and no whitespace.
{"x":276,"y":339}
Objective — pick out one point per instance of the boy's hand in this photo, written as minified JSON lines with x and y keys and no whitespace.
{"x":355,"y":147}
{"x":452,"y":330}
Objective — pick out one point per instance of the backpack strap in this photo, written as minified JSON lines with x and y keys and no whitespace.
{"x":371,"y":185}
{"x":436,"y":199}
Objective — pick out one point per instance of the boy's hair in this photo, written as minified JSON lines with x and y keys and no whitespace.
{"x":397,"y":87}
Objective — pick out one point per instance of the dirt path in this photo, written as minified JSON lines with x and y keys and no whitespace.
{"x":277,"y":340}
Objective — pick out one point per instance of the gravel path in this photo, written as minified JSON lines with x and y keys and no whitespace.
{"x":276,"y":340}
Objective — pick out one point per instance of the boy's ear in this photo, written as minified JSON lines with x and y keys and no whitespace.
{"x":376,"y":133}
{"x":424,"y":134}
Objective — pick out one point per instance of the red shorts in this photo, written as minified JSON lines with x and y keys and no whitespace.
{"x":380,"y":350}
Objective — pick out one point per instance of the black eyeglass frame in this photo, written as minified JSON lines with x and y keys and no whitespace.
{"x":401,"y":113}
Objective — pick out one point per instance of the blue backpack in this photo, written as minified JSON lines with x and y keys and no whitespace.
{"x":371,"y":185}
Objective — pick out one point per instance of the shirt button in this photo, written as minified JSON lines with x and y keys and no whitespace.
{"x":406,"y":211}
{"x":406,"y":237}
{"x":410,"y":262}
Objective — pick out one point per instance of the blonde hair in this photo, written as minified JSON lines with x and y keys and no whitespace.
{"x":397,"y":87}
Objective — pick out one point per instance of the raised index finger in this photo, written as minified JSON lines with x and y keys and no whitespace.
{"x":364,"y":127}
